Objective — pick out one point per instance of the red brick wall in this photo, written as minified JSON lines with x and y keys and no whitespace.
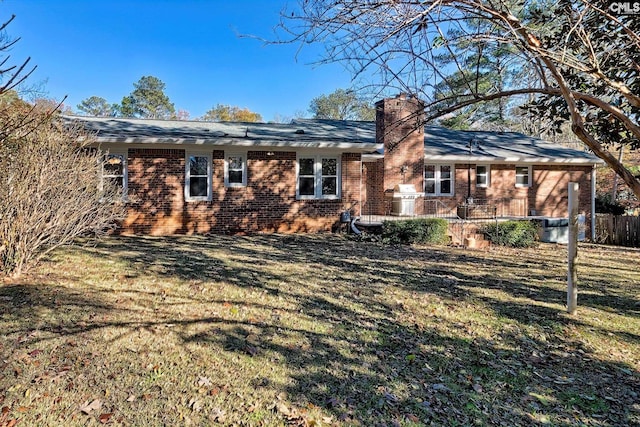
{"x":266,"y":204}
{"x":352,"y":181}
{"x":155,"y":191}
{"x":156,"y":179}
{"x":547,"y":195}
{"x":373,"y":188}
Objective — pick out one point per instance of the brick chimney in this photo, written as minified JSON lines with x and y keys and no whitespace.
{"x":400,"y":127}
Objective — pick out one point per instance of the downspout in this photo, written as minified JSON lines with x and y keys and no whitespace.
{"x":593,"y":204}
{"x":360,"y":202}
{"x":468,"y":182}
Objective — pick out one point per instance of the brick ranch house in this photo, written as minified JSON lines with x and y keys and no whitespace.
{"x":200,"y":177}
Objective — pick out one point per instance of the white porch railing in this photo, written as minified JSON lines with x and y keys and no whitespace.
{"x":437,"y":208}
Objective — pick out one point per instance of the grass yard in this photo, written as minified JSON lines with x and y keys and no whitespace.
{"x":319,"y":330}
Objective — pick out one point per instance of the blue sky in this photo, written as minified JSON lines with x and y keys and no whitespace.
{"x":90,"y":47}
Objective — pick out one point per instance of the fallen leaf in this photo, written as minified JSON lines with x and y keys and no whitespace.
{"x":87,"y":407}
{"x":542,"y":399}
{"x":195,"y":405}
{"x":204,"y":382}
{"x":413,"y":418}
{"x":477,"y":388}
{"x":131,"y":398}
{"x":563,"y":380}
{"x":390,"y":397}
{"x":218,"y":415}
{"x":440,"y":387}
{"x":104,"y":418}
{"x":283,"y":409}
{"x":250,"y":350}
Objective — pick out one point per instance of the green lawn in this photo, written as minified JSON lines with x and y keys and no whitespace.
{"x":319,"y":330}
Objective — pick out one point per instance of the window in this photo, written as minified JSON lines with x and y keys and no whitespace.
{"x":235,"y":172}
{"x":523,"y":176}
{"x":438,"y":180}
{"x":318,"y":177}
{"x":483,"y":176}
{"x":198,"y":177}
{"x":114,"y":169}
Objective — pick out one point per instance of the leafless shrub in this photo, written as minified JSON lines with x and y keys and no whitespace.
{"x":50,"y":190}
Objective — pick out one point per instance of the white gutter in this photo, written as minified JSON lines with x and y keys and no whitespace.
{"x":229,"y":142}
{"x":497,"y":160}
{"x":510,"y":160}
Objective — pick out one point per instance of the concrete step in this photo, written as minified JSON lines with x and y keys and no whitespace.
{"x":467,"y":235}
{"x":454,"y":240}
{"x":476,"y":242}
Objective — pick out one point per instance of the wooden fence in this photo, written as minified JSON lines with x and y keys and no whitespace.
{"x":618,"y":230}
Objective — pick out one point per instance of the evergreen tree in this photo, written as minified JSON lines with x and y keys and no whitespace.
{"x":147,"y":100}
{"x":96,"y":106}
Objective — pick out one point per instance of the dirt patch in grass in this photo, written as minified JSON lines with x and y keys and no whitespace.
{"x":319,"y":330}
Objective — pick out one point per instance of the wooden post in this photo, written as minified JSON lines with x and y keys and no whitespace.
{"x":572,"y":276}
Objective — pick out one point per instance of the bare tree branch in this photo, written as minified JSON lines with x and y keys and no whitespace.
{"x":580,"y":54}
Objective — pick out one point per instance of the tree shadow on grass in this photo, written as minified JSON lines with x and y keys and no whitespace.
{"x":374,"y":360}
{"x":369,"y":271}
{"x":27,"y":307}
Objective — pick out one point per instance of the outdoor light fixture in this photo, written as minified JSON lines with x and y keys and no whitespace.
{"x":403,"y":170}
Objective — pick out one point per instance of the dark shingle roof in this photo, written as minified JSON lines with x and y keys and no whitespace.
{"x":441,"y":144}
{"x":453,"y":145}
{"x":300,"y":133}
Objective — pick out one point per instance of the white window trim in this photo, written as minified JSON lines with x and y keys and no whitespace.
{"x":488,"y":174}
{"x":187,"y":174}
{"x":437,"y":179}
{"x":244,"y":169}
{"x":317,"y":168}
{"x":529,"y":174}
{"x":125,"y":175}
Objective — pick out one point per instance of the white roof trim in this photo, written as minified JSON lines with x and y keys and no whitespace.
{"x":494,"y":160}
{"x":229,"y":142}
{"x":514,"y":159}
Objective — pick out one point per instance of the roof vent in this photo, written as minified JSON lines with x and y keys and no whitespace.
{"x":300,"y":131}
